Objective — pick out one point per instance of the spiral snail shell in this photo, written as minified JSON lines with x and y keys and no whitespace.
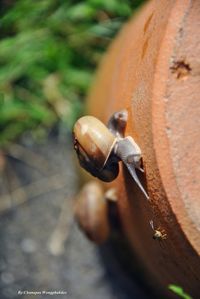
{"x":91,"y":212}
{"x":94,"y":143}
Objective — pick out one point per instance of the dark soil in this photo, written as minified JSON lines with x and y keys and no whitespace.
{"x":41,"y":247}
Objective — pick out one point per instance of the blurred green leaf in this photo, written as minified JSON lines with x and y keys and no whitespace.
{"x":81,"y":11}
{"x":49,"y":50}
{"x":179,"y":291}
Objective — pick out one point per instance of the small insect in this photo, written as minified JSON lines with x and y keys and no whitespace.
{"x":159,"y":234}
{"x":100,"y":148}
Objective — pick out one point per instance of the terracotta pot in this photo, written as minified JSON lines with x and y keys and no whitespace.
{"x":153,"y":70}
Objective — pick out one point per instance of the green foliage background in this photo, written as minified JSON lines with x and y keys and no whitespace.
{"x":49,"y":50}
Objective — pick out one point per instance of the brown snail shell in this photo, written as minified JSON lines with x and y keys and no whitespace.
{"x":94,"y":138}
{"x":91,"y":212}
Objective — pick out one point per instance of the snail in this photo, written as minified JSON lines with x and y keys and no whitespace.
{"x":100,"y":148}
{"x":91,"y":212}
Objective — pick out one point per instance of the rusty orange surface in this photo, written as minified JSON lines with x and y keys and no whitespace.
{"x":153,"y":70}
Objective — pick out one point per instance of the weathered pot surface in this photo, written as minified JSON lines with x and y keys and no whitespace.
{"x":152,"y":69}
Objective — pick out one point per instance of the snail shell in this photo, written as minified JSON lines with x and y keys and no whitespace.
{"x":91,"y":212}
{"x":94,"y":143}
{"x":95,"y":139}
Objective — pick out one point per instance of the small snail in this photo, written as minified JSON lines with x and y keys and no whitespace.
{"x":100,"y":148}
{"x":91,"y":212}
{"x":159,"y":234}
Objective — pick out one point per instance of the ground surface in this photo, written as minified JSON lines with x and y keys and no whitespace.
{"x":41,"y":247}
